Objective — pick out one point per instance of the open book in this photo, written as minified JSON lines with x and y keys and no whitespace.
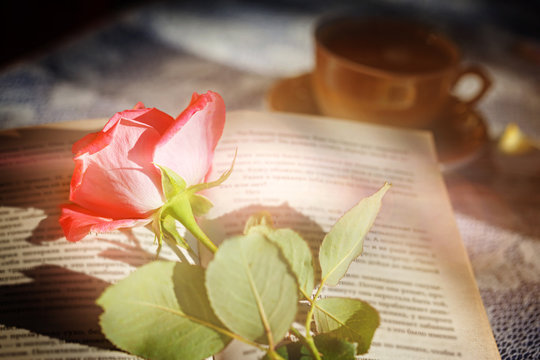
{"x":306,"y":172}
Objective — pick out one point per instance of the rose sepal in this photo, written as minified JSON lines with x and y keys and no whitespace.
{"x":184,"y":204}
{"x":179,"y":208}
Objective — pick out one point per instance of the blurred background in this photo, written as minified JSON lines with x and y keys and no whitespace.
{"x":74,"y":43}
{"x":30,"y":27}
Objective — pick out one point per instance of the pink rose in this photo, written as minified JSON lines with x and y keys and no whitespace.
{"x":116,"y":182}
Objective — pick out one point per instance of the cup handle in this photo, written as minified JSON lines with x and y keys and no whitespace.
{"x":481,"y":74}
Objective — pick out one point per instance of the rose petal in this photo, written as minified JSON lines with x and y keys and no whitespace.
{"x":187,"y":147}
{"x":94,"y":142}
{"x":78,"y":222}
{"x":114,"y":175}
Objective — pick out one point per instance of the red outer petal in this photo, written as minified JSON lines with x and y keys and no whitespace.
{"x":78,"y":222}
{"x":114,"y":175}
{"x":77,"y":178}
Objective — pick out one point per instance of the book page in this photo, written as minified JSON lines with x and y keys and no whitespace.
{"x":48,"y":287}
{"x":414,"y":269}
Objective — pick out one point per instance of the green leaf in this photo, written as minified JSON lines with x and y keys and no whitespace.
{"x":200,"y":204}
{"x":251,"y":288}
{"x":330,"y":347}
{"x":350,"y":319}
{"x":191,"y":293}
{"x":294,"y":248}
{"x":171,"y":182}
{"x":297,"y":252}
{"x":344,"y":242}
{"x":142,"y":315}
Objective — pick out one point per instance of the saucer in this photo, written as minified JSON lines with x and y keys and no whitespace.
{"x":460,"y":134}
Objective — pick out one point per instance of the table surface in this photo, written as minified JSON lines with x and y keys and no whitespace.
{"x":160,"y":53}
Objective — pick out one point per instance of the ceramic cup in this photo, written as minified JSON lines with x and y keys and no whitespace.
{"x":387,"y":71}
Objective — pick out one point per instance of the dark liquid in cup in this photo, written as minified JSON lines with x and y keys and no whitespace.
{"x":391,"y":47}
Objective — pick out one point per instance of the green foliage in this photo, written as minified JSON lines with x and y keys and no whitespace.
{"x":330,"y":347}
{"x":249,"y":292}
{"x":142,"y":315}
{"x":251,"y":288}
{"x":335,"y":348}
{"x":344,"y":242}
{"x":349,"y":319}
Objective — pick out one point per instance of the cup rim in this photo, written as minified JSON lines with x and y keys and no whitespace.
{"x":359,"y":67}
